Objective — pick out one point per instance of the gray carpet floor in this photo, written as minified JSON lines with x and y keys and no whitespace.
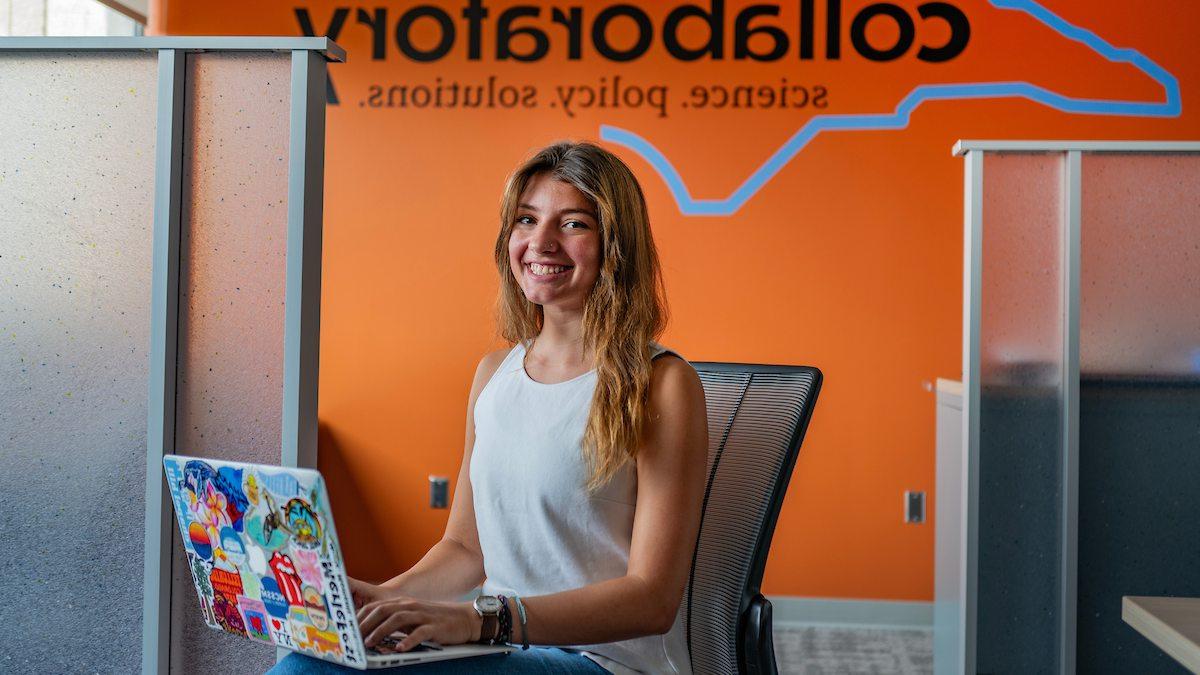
{"x":849,"y":650}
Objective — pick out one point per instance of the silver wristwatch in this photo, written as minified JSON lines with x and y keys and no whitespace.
{"x":488,"y":607}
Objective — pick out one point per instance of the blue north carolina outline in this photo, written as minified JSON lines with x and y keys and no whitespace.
{"x":691,"y":206}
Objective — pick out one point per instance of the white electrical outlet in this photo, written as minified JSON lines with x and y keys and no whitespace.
{"x":439,"y":492}
{"x":914,"y":506}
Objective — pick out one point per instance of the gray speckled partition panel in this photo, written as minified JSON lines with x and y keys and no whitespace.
{"x":1139,"y":463}
{"x":1140,"y":289}
{"x":1020,"y":418}
{"x":1019,"y":527}
{"x":1139,"y":439}
{"x":76,"y":220}
{"x":232,"y":282}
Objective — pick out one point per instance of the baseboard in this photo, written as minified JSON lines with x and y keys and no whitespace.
{"x":792,"y":611}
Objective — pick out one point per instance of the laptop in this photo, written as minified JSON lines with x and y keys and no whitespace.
{"x":265,"y":561}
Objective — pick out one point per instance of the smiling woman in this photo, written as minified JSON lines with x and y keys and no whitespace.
{"x":580,"y":490}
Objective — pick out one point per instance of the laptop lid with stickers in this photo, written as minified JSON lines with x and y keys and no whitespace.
{"x":264,"y":556}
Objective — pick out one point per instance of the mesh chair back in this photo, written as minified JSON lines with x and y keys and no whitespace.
{"x":757,"y":416}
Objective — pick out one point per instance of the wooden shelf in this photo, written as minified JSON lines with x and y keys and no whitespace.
{"x":1173,"y":624}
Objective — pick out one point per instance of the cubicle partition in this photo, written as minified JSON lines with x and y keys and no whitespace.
{"x":1081,"y":405}
{"x":159,"y":292}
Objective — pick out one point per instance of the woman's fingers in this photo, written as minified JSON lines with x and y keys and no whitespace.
{"x":420,"y":620}
{"x":416,"y":637}
{"x":405,"y":622}
{"x":370,"y":624}
{"x":385,"y":606}
{"x":360,"y":591}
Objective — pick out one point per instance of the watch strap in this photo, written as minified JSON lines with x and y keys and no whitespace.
{"x":489,"y":629}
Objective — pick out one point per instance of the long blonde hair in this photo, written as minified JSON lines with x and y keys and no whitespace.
{"x":625,"y":310}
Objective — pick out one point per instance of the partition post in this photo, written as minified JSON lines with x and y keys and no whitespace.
{"x":1070,"y":411}
{"x":972,"y":297}
{"x":302,"y":305}
{"x":164,"y":323}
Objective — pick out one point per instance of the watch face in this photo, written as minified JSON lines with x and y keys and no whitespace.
{"x":487,"y":604}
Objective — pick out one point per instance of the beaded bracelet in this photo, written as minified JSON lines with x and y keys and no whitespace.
{"x":505,"y":633}
{"x":521,"y":613}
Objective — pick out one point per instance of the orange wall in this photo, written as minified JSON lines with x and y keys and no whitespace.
{"x":849,"y":259}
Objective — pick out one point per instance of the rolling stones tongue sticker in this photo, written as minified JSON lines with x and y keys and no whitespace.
{"x":289,"y":582}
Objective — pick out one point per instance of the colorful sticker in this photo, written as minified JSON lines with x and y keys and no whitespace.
{"x":314,"y":606}
{"x":228,"y":584}
{"x":301,"y":520}
{"x":229,"y":482}
{"x":281,"y":632}
{"x":208,"y":507}
{"x":308,"y":566}
{"x":200,"y":572}
{"x":251,"y":488}
{"x":266,"y":535}
{"x":272,"y":597}
{"x":344,"y":621}
{"x":197,"y":537}
{"x":175,"y":482}
{"x":251,"y":584}
{"x":323,"y":642}
{"x":311,"y":639}
{"x":256,"y":560}
{"x":231,"y":544}
{"x":228,"y":616}
{"x":298,"y":621}
{"x":283,"y":484}
{"x":297,"y":518}
{"x":255,"y":616}
{"x":289,"y":581}
{"x":206,"y":607}
{"x":196,"y":475}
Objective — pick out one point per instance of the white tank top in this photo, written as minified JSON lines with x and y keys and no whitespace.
{"x":539,"y":530}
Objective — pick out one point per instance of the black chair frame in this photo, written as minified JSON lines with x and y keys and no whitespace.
{"x":755,"y":646}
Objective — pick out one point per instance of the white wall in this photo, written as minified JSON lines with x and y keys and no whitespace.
{"x":62,"y":17}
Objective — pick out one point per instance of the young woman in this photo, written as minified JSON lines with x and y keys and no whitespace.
{"x":580,"y":492}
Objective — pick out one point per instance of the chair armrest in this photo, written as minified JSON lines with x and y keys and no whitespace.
{"x":758,"y":645}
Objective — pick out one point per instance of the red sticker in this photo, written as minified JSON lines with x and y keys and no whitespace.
{"x":288,"y":580}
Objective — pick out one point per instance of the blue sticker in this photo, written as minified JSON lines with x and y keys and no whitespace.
{"x":282,"y":484}
{"x":196,"y":474}
{"x":270,"y":538}
{"x":272,"y":598}
{"x":231,"y":544}
{"x":174,"y":481}
{"x":229,"y":481}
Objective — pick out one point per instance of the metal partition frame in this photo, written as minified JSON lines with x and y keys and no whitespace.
{"x":973,"y":152}
{"x":303,"y":274}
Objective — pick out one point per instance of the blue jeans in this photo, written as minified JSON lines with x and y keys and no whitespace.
{"x":535,"y":660}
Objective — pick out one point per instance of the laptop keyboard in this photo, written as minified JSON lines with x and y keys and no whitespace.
{"x":388,"y":645}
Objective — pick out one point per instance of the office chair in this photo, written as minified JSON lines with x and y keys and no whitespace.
{"x":757,"y":416}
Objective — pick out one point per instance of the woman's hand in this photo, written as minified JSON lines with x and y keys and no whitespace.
{"x":365,"y":593}
{"x":448,"y":623}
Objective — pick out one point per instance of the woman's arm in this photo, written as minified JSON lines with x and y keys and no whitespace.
{"x":670,"y":470}
{"x":454,"y":565}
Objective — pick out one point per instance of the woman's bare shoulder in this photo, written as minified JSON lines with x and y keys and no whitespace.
{"x":674,"y":380}
{"x":489,"y":363}
{"x":493,"y":359}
